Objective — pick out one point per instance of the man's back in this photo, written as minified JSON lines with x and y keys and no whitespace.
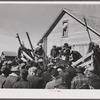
{"x":46,"y":76}
{"x":2,"y":79}
{"x":37,"y":82}
{"x":10,"y":80}
{"x":22,"y":84}
{"x":79,"y":81}
{"x":52,"y":84}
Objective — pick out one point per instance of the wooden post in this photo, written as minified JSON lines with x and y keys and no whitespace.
{"x":19,"y":40}
{"x":87,"y":29}
{"x":30,"y":42}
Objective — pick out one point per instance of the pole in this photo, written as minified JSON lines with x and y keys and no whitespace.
{"x":87,"y":29}
{"x":30,"y":42}
{"x":19,"y":40}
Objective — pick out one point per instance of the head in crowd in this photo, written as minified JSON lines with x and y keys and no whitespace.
{"x":80,"y":70}
{"x":54,"y":74}
{"x":40,"y":45}
{"x":5,"y":70}
{"x":22,"y":65}
{"x":66,"y":45}
{"x":23,"y":74}
{"x":50,"y":67}
{"x":54,"y":46}
{"x":15,"y":69}
{"x":32,"y":71}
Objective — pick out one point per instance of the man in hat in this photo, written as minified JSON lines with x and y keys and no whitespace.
{"x":36,"y":81}
{"x":23,"y":83}
{"x":80,"y":80}
{"x":12,"y":78}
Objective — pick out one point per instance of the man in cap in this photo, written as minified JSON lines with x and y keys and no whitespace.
{"x":12,"y":78}
{"x":39,"y":51}
{"x":36,"y":81}
{"x":56,"y":80}
{"x":23,"y":83}
{"x":66,"y":52}
{"x":80,"y":80}
{"x":54,"y":52}
{"x":5,"y":72}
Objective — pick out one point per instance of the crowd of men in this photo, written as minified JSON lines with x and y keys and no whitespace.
{"x":58,"y":73}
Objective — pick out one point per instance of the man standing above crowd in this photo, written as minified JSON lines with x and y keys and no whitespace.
{"x":39,"y":51}
{"x":54,"y":52}
{"x":36,"y":81}
{"x":65,"y":52}
{"x":39,"y":55}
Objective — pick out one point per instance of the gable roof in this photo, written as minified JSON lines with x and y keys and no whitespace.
{"x":9,"y":53}
{"x":93,"y":23}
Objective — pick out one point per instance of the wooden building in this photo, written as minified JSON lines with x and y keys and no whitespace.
{"x":8,"y":55}
{"x":69,"y":27}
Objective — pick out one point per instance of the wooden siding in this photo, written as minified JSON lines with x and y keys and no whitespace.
{"x":77,"y":36}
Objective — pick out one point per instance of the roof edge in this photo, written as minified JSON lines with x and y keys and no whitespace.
{"x":56,"y":20}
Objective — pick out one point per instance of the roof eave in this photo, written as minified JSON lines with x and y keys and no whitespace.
{"x":52,"y":26}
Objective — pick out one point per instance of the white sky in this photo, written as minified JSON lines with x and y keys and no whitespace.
{"x":34,"y":19}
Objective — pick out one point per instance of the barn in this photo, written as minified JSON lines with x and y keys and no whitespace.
{"x":69,"y":27}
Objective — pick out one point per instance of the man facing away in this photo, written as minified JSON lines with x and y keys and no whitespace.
{"x":23,"y":83}
{"x":56,"y":80}
{"x":80,"y":80}
{"x":36,"y":81}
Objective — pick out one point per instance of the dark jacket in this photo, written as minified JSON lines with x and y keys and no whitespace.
{"x":76,"y":55}
{"x":72,"y":73}
{"x":39,"y":51}
{"x":46,"y":76}
{"x":54,"y":53}
{"x":66,"y":53}
{"x":10,"y":80}
{"x":22,"y":84}
{"x":37,"y":82}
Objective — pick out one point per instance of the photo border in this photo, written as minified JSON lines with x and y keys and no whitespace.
{"x":92,"y":96}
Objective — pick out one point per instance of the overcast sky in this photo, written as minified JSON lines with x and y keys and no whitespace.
{"x":34,"y":19}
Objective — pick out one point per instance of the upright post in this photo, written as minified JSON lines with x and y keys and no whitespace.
{"x":30,"y":42}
